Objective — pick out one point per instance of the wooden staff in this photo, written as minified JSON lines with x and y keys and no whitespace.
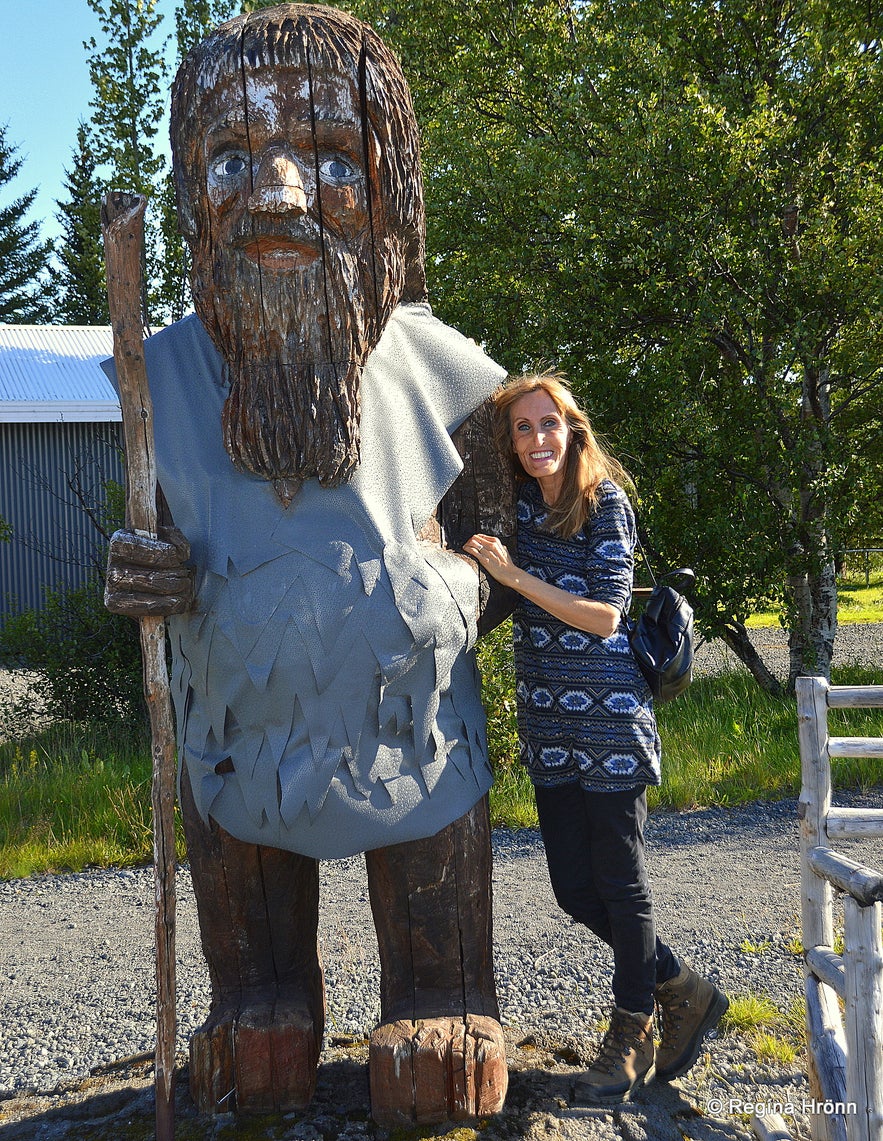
{"x":122,"y":224}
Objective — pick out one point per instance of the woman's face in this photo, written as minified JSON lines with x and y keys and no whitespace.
{"x":541,"y":437}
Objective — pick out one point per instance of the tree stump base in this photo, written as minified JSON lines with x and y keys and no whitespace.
{"x":437,"y":1069}
{"x":257,"y":1059}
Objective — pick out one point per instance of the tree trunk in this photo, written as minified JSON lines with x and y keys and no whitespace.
{"x":812,"y":585}
{"x":735,"y":635}
{"x":811,"y":637}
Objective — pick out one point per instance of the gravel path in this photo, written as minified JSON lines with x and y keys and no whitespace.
{"x":76,"y":970}
{"x":76,"y":977}
{"x":856,"y":644}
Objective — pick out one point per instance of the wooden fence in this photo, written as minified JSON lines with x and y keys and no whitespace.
{"x":845,"y":1054}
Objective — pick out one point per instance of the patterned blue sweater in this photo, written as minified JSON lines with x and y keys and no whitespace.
{"x":584,"y":709}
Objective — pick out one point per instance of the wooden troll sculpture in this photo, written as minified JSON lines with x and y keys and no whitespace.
{"x":309,"y":425}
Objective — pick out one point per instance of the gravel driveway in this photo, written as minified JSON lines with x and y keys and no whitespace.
{"x":76,"y":981}
{"x":856,"y":644}
{"x":76,"y":971}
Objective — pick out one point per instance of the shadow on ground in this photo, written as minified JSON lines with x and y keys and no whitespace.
{"x":117,"y":1104}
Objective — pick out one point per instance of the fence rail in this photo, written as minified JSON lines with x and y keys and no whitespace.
{"x":845,"y":1055}
{"x":867,"y":552}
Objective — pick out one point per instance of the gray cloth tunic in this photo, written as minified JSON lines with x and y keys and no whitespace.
{"x":329,"y":656}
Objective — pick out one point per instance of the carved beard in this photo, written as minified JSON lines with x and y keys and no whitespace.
{"x":294,"y":344}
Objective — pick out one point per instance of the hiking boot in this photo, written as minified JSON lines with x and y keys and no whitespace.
{"x":689,"y":1006}
{"x":624,"y":1062}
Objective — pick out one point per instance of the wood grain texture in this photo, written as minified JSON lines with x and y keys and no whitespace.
{"x":827,"y":1058}
{"x":295,"y":278}
{"x":432,"y":902}
{"x":863,"y":968}
{"x":482,"y":499}
{"x":258,"y":908}
{"x":122,"y":217}
{"x":434,"y":1070}
{"x":846,"y":1071}
{"x":854,"y":822}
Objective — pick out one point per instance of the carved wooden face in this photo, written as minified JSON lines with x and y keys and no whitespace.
{"x":286,"y":168}
{"x":295,"y":272}
{"x":297,"y":167}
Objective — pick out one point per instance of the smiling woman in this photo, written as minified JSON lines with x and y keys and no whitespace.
{"x":540,"y":437}
{"x":586,"y":726}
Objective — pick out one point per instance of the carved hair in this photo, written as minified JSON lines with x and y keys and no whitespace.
{"x":587,"y":462}
{"x":293,"y":35}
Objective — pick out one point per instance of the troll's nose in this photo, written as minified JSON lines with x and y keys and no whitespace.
{"x":279,"y":187}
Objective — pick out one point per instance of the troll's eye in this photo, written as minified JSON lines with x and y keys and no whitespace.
{"x":337,"y":171}
{"x":229,"y":165}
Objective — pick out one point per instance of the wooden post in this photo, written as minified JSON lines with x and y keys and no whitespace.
{"x":863,"y":967}
{"x":815,"y":801}
{"x":122,"y":223}
{"x":772,"y":1128}
{"x":826,"y":1053}
{"x":846,"y":1071}
{"x":815,"y":895}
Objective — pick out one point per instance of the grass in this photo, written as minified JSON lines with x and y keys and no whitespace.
{"x":74,"y":796}
{"x":856,"y":601}
{"x":775,"y":1036}
{"x":750,"y":947}
{"x":726,"y":742}
{"x":749,"y":1012}
{"x":772,"y":1048}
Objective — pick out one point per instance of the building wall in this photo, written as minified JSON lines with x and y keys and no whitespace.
{"x":52,"y":475}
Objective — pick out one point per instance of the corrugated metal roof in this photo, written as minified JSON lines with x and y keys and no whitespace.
{"x":51,"y":373}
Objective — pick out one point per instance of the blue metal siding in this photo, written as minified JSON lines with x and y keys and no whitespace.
{"x":43,"y":466}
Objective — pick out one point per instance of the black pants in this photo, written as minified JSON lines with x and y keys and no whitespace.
{"x":595,"y":849}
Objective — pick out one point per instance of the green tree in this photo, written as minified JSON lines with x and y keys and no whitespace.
{"x":23,"y":255}
{"x":80,"y":284}
{"x":680,"y":204}
{"x":194,"y":19}
{"x":129,"y":78}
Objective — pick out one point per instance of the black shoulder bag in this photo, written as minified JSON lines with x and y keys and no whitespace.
{"x":662,"y":637}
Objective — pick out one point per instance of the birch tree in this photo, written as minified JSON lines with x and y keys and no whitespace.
{"x":680,"y":204}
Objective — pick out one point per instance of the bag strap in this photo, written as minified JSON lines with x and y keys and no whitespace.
{"x":644,"y":557}
{"x":682,"y":572}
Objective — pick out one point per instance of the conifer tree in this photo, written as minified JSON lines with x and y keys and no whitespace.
{"x":24,"y":290}
{"x":80,"y":285}
{"x":194,"y":19}
{"x":130,"y":80}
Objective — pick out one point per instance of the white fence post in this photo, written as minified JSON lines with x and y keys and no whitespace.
{"x":863,"y":966}
{"x":815,"y":802}
{"x":845,"y":1071}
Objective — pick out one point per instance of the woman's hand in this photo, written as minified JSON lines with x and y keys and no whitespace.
{"x":493,"y":557}
{"x":582,"y":613}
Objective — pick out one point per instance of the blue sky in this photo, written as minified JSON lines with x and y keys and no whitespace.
{"x":45,"y":91}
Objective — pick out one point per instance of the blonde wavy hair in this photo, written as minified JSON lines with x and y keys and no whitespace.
{"x":587,"y":461}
